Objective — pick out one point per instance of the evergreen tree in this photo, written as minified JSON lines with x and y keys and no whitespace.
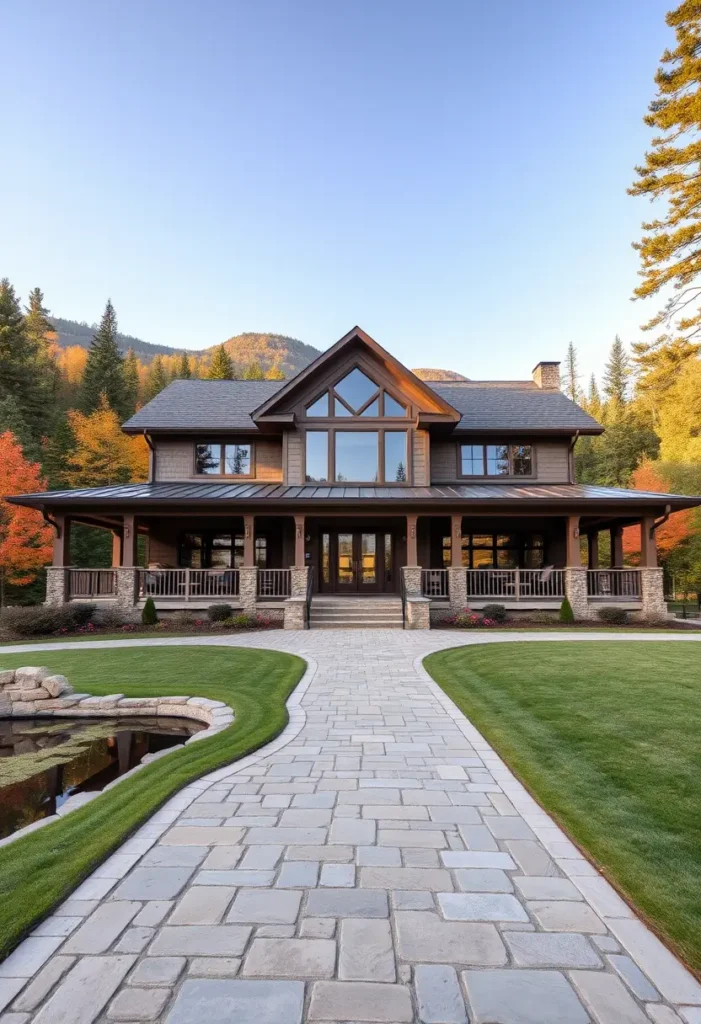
{"x":19,"y":374}
{"x":131,"y":381}
{"x":12,"y":419}
{"x":104,"y":370}
{"x":616,"y":373}
{"x":157,"y":378}
{"x":57,"y":451}
{"x":184,"y":370}
{"x":670,"y":249}
{"x":36,"y":320}
{"x":254,"y":371}
{"x":572,"y":389}
{"x":221,"y":367}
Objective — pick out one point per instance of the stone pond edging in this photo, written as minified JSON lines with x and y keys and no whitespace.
{"x":35,"y":691}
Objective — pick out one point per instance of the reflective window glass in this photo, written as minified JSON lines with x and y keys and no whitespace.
{"x":472,"y":459}
{"x":237,"y":459}
{"x":395,"y":456}
{"x":497,"y":460}
{"x":339,"y":409}
{"x":208,"y":458}
{"x":356,"y":455}
{"x":373,"y":409}
{"x":320,"y":407}
{"x":522,"y":456}
{"x":392,"y":407}
{"x":317,"y":462}
{"x":355,"y":388}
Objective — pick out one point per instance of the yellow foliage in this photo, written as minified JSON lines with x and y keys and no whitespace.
{"x":71,"y":362}
{"x":679,"y":416}
{"x":103,"y":454}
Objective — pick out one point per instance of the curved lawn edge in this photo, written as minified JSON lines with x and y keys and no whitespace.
{"x":524,"y":775}
{"x":39,"y":870}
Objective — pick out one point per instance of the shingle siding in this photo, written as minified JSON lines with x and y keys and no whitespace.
{"x":551,"y":462}
{"x":294,"y":458}
{"x":175,"y":460}
{"x":421,"y":450}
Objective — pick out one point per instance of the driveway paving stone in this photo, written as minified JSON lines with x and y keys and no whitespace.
{"x":375,"y":863}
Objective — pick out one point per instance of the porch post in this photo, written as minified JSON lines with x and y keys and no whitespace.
{"x":651,"y":575}
{"x":616,"y":533}
{"x":593,"y":547}
{"x":117,"y":542}
{"x":575,"y":573}
{"x":300,"y":561}
{"x":457,"y":576}
{"x":57,"y":573}
{"x":648,"y":544}
{"x":249,"y":541}
{"x":248,"y":573}
{"x":127,"y":566}
{"x":411,"y":572}
{"x":456,"y":542}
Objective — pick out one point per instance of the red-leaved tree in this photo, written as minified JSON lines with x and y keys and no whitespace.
{"x":678,"y":528}
{"x":25,"y":539}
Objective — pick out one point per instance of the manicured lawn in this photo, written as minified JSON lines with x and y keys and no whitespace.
{"x":607,"y":736}
{"x":39,"y":870}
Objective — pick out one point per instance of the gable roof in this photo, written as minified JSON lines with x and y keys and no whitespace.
{"x":354,"y":336}
{"x":189,"y":405}
{"x":495,"y":407}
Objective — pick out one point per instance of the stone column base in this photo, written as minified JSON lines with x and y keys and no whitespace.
{"x":248,"y":588}
{"x":412,"y":579}
{"x":576,"y":591}
{"x":457,"y":589}
{"x":418,"y":615}
{"x":56,"y":585}
{"x":295,"y":613}
{"x":125,"y":596}
{"x":652,"y":593}
{"x":298,"y":581}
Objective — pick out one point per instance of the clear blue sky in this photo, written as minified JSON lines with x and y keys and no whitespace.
{"x":451,"y":175}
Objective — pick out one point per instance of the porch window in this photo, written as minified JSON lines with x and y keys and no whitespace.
{"x":501,"y":551}
{"x":215,"y":459}
{"x":212,"y":551}
{"x":261,"y":552}
{"x":496,"y":459}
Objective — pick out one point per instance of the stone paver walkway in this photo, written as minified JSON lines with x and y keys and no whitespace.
{"x":377,"y":863}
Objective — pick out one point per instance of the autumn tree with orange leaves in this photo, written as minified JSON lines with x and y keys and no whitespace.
{"x":25,"y":540}
{"x":678,"y":529}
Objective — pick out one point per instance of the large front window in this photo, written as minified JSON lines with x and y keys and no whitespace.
{"x":357,"y":456}
{"x":496,"y":460}
{"x":217,"y":459}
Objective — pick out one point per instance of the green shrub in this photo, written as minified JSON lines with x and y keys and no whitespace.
{"x":148,"y":615}
{"x":612,"y":616}
{"x":43,"y":620}
{"x":495,"y":612}
{"x":566,"y":613}
{"x":245,"y":621}
{"x":219,"y":612}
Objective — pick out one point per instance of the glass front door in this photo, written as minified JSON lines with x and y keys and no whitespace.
{"x":356,"y":563}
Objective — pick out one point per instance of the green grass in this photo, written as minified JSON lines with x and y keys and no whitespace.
{"x":606,"y":737}
{"x":42,"y":868}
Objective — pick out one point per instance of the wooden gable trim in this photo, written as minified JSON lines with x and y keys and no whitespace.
{"x":340,"y":359}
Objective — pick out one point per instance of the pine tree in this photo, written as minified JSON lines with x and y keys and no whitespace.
{"x":104,"y":370}
{"x":56,"y":456}
{"x":593,"y":402}
{"x":157,"y":378}
{"x":36,"y":320}
{"x":254,"y":371}
{"x":670,"y":249}
{"x":131,"y":381}
{"x":616,"y":373}
{"x":221,"y":367}
{"x":184,"y":370}
{"x":572,"y":389}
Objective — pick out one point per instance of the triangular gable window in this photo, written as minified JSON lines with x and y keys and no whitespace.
{"x":356,"y":395}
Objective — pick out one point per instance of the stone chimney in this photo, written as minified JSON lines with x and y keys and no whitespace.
{"x":547,"y":375}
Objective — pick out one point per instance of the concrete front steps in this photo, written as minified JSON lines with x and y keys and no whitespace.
{"x":340,"y":612}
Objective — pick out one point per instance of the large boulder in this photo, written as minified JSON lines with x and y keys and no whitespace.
{"x":56,"y":685}
{"x":7,"y":677}
{"x":31,"y":676}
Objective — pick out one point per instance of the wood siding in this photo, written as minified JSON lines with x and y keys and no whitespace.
{"x":175,"y":461}
{"x":422,"y":476}
{"x":551,"y":462}
{"x":295,"y":459}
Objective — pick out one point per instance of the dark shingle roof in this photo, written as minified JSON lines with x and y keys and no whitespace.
{"x":204,"y":405}
{"x":195,"y":493}
{"x":188,"y":405}
{"x":517,"y":405}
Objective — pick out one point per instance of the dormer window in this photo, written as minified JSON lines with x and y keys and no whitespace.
{"x":356,"y":395}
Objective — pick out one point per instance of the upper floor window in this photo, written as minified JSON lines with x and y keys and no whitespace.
{"x":356,"y":456}
{"x":496,"y":460}
{"x":215,"y":459}
{"x":356,"y":395}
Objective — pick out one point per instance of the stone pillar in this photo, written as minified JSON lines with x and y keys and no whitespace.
{"x":456,"y":542}
{"x":648,"y":544}
{"x":652,"y":592}
{"x":576,"y":591}
{"x":298,"y":581}
{"x":593,"y":544}
{"x":248,"y":588}
{"x":56,"y":585}
{"x":418,"y":614}
{"x":457,"y":589}
{"x":300,"y":560}
{"x":412,"y":551}
{"x":616,"y":533}
{"x":295,"y":613}
{"x":126,"y":595}
{"x":412,"y":579}
{"x":249,"y":541}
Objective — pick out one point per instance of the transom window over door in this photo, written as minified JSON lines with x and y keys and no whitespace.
{"x":356,"y":394}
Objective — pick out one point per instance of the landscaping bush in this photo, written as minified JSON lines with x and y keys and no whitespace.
{"x":245,"y":621}
{"x":566,"y":613}
{"x":496,"y":612}
{"x":612,"y":616}
{"x":43,"y":620}
{"x":148,"y":615}
{"x":467,"y":619}
{"x":219,"y":612}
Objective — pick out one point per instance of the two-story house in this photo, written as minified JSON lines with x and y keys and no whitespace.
{"x":357,"y":478}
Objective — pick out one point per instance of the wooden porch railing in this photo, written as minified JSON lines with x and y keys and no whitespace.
{"x":87,"y":583}
{"x":274,"y":582}
{"x":188,"y":584}
{"x":516,"y":584}
{"x":434,"y":583}
{"x":614,"y":584}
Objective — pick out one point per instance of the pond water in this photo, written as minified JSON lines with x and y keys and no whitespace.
{"x":44,"y":761}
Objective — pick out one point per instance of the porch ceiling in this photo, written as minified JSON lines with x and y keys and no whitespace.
{"x":559,"y":498}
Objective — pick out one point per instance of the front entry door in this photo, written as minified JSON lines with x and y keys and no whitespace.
{"x":358,"y":568}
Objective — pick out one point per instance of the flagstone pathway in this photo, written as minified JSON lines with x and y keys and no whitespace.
{"x":376,"y":863}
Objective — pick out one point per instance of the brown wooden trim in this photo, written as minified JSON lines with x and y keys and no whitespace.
{"x":365,"y":428}
{"x":217,"y":439}
{"x":510,"y":477}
